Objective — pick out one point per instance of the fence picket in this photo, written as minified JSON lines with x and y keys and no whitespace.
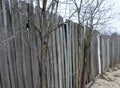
{"x":65,"y":56}
{"x":25,"y":47}
{"x":33,"y":46}
{"x":6,"y":69}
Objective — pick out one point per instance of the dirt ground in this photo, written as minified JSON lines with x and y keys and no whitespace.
{"x":109,"y":79}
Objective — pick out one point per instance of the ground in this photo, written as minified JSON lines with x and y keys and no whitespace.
{"x":109,"y":79}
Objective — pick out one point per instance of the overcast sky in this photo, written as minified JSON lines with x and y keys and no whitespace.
{"x":66,"y":9}
{"x":116,"y":19}
{"x":114,"y":22}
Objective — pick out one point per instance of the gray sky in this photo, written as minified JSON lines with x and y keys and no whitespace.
{"x":66,"y":9}
{"x":114,"y":21}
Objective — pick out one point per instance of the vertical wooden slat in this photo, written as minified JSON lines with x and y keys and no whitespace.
{"x":61,"y":52}
{"x":52,"y":55}
{"x":37,"y":25}
{"x":108,"y":55}
{"x":48,"y":57}
{"x":59,"y":57}
{"x":105,"y":53}
{"x":80,"y":52}
{"x":62,"y":55}
{"x":55,"y":61}
{"x":18,"y":47}
{"x":52,"y":65}
{"x":76,"y":54}
{"x":70,"y":56}
{"x":99,"y":59}
{"x":48,"y":66}
{"x":51,"y":81}
{"x":4,"y":57}
{"x":65,"y":56}
{"x":92,"y":60}
{"x":110,"y":52}
{"x":25,"y":46}
{"x":10,"y":49}
{"x":43,"y":67}
{"x":73,"y":55}
{"x":95,"y":54}
{"x":68,"y":64}
{"x":103,"y":56}
{"x":33,"y":47}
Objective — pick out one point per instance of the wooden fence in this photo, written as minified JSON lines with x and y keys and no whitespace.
{"x":110,"y":50}
{"x":53,"y":59}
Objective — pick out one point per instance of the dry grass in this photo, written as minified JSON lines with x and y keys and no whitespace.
{"x":109,"y":79}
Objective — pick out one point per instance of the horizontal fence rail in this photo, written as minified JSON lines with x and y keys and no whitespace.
{"x":48,"y":53}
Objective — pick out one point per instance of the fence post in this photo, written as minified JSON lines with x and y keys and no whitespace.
{"x":99,"y":59}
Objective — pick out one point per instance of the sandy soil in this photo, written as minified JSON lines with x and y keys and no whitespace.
{"x":109,"y":79}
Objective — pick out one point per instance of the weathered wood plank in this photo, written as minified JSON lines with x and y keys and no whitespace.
{"x":103,"y":56}
{"x":70,"y":75}
{"x":65,"y":56}
{"x":55,"y":61}
{"x":96,"y":53}
{"x":62,"y":52}
{"x":108,"y":55}
{"x":52,"y":55}
{"x":52,"y":65}
{"x":62,"y":57}
{"x":48,"y":57}
{"x":99,"y":59}
{"x":59,"y":56}
{"x":33,"y":46}
{"x":73,"y":55}
{"x":80,"y":32}
{"x":68,"y":52}
{"x":91,"y":61}
{"x":76,"y":54}
{"x":37,"y":25}
{"x":25,"y":46}
{"x":10,"y":49}
{"x":50,"y":68}
{"x":4,"y":57}
{"x":15,"y":15}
